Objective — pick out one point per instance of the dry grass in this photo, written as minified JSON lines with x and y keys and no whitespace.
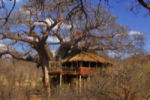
{"x":18,"y":79}
{"x":125,"y":81}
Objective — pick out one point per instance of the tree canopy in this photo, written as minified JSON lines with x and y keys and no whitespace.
{"x":79,"y":4}
{"x":91,"y":28}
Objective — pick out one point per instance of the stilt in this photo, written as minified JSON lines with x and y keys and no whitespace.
{"x":89,"y":78}
{"x":60,"y":80}
{"x":76,"y":83}
{"x":80,"y":81}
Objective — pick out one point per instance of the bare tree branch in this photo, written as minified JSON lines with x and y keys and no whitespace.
{"x":9,"y":13}
{"x":17,"y":37}
{"x":144,"y":4}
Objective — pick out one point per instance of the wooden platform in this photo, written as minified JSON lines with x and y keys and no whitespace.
{"x":79,"y":71}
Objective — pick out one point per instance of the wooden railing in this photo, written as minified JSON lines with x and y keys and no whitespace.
{"x":57,"y":67}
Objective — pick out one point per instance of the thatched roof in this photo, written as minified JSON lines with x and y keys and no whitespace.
{"x":87,"y":57}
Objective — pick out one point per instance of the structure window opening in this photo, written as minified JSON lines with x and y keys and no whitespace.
{"x":93,"y":64}
{"x":86,"y":64}
{"x":74,"y":64}
{"x":99,"y":65}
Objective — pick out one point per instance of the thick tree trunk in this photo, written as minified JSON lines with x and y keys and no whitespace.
{"x":46,"y":80}
{"x":45,"y":56}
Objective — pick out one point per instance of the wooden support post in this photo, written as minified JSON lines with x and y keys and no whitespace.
{"x":88,"y":78}
{"x":96,"y":65}
{"x":80,"y":81}
{"x":60,"y":80}
{"x":76,"y":80}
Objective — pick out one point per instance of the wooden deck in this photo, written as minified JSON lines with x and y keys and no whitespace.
{"x":78,"y":71}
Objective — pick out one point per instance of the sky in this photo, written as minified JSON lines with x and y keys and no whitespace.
{"x":137,"y":23}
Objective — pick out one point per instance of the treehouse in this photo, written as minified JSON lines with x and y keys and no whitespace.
{"x":79,"y":66}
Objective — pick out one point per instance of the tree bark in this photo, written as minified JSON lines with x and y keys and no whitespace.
{"x":46,"y":80}
{"x":45,"y":56}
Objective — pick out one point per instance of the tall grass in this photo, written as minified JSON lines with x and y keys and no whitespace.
{"x":125,"y":80}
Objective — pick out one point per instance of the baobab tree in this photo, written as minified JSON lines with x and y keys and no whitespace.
{"x":28,"y":33}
